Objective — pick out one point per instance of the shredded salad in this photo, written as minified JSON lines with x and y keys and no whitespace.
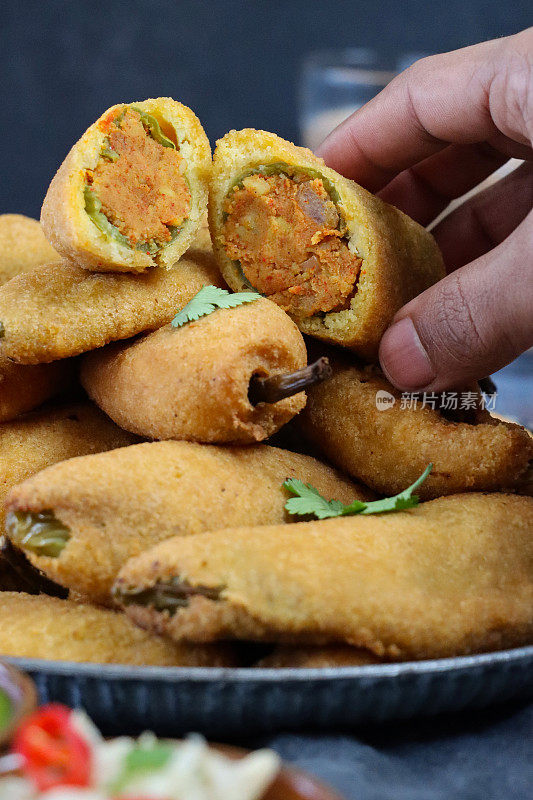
{"x":61,"y":755}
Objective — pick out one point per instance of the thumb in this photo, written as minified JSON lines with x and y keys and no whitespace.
{"x":467,"y":326}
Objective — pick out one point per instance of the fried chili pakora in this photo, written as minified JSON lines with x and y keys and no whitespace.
{"x":60,"y":310}
{"x":24,"y":387}
{"x":450,"y":577}
{"x":80,"y":521}
{"x":42,"y":438}
{"x":63,"y":630}
{"x":22,"y":246}
{"x":285,"y":656}
{"x":387,"y":447}
{"x":132,"y":192}
{"x":193,"y":382}
{"x":338,"y":260}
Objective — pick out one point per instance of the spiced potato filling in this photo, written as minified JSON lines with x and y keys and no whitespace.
{"x":137,"y":193}
{"x":288,"y":236}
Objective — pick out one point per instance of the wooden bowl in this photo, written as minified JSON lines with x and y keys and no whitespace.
{"x":21,"y":694}
{"x":290,"y":784}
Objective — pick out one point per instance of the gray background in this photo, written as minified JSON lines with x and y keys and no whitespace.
{"x":235,"y":62}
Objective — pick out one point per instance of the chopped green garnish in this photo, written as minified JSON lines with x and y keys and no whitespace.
{"x":207,"y":300}
{"x":6,"y":709}
{"x":307,"y":501}
{"x":139,"y":761}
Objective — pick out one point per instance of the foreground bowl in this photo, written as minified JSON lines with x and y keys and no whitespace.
{"x":18,"y":697}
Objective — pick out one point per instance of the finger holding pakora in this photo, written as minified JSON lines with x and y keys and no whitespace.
{"x":61,"y":310}
{"x":199,"y":382}
{"x":450,"y":577}
{"x":387,"y":447}
{"x":62,"y":630}
{"x":81,"y":520}
{"x":336,"y":258}
{"x":132,"y":192}
{"x":22,"y":246}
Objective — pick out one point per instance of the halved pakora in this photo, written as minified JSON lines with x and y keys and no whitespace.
{"x":61,"y":310}
{"x":337,"y":259}
{"x":132,"y":192}
{"x":196,"y":382}
{"x":450,"y":577}
{"x":80,"y":521}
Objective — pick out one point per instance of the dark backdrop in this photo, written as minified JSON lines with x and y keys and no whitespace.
{"x":235,"y":62}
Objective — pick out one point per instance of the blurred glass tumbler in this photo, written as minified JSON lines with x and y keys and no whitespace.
{"x":335,"y":83}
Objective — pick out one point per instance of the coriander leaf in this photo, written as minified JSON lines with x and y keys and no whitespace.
{"x":399,"y":502}
{"x":308,"y":500}
{"x":141,"y":760}
{"x":207,"y":300}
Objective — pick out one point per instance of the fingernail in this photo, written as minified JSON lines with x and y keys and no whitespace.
{"x":403,"y":358}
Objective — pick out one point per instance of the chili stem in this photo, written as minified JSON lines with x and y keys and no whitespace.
{"x":277,"y":387}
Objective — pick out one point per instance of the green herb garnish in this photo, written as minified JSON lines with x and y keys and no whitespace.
{"x":141,"y":761}
{"x":308,"y":501}
{"x":6,"y":709}
{"x":207,"y":300}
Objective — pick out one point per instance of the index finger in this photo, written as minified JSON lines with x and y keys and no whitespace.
{"x":440,"y":100}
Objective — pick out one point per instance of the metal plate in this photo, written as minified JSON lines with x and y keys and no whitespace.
{"x":222,"y":703}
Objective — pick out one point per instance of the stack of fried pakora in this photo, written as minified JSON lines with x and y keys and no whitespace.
{"x":155,"y":511}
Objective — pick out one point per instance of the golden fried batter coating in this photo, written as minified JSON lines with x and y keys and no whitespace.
{"x":388,"y":449}
{"x":192,"y":382}
{"x":450,"y":577}
{"x":43,"y":438}
{"x":62,"y":630}
{"x":132,"y":192}
{"x":336,"y":258}
{"x":22,"y":246}
{"x":61,"y":310}
{"x":24,"y":387}
{"x":285,"y":656}
{"x":116,"y":505}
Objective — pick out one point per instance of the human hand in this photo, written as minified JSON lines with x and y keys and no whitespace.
{"x":435,"y":132}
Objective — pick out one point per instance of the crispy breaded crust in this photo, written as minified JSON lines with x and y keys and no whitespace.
{"x":24,"y":387}
{"x":388,"y":449}
{"x":285,"y":656}
{"x":42,"y":438}
{"x":400,"y":258}
{"x":22,"y":246}
{"x":61,"y":310}
{"x":71,"y":231}
{"x":62,"y":630}
{"x":117,"y":505}
{"x":453,"y":576}
{"x":192,"y":382}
